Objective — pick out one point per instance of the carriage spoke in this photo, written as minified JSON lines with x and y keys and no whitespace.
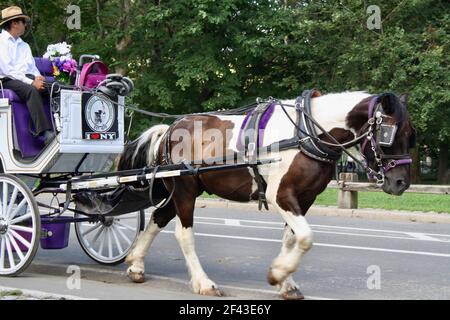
{"x":12,"y":201}
{"x":126,"y":218}
{"x":124,"y":226}
{"x":95,"y":227}
{"x":5,"y":197}
{"x":102,"y":243}
{"x":97,"y":235}
{"x":12,"y":264}
{"x":110,"y":247}
{"x":124,"y":236}
{"x":21,"y":228}
{"x":15,"y":211}
{"x":16,"y":247}
{"x":20,"y":238}
{"x":116,"y":239}
{"x":22,"y":218}
{"x":2,"y":254}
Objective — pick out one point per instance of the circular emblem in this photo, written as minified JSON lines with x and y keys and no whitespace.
{"x":99,"y":114}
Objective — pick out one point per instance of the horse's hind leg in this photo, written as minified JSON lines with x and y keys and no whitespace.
{"x":185,"y":236}
{"x":135,"y":259}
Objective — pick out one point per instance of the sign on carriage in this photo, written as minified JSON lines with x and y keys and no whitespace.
{"x":99,"y":118}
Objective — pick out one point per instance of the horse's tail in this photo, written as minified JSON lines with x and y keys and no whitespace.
{"x":142,"y":151}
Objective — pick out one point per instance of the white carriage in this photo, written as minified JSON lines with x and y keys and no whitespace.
{"x":89,"y":127}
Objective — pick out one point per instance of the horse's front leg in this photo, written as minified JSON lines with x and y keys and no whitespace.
{"x":297,"y":240}
{"x":135,"y":259}
{"x":287,"y":261}
{"x":289,"y":289}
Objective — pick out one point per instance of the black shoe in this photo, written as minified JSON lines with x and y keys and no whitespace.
{"x":48,"y":136}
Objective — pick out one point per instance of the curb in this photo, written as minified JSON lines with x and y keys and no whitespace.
{"x":41,"y":295}
{"x":374,"y":214}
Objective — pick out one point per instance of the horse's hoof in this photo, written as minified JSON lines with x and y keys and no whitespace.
{"x":293,"y":294}
{"x":271,"y":279}
{"x":213,"y":292}
{"x":136,"y":277}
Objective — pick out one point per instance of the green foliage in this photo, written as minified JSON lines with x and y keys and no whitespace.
{"x":195,"y":55}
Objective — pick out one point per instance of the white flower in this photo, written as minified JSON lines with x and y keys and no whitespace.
{"x":58,"y":50}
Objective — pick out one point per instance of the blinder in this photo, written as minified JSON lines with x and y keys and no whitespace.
{"x":386,"y":134}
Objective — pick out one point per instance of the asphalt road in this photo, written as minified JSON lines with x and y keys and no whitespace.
{"x":351,"y":259}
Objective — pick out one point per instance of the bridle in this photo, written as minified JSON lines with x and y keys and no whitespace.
{"x":385,"y":134}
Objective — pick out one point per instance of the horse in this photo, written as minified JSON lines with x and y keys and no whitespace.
{"x":291,"y":185}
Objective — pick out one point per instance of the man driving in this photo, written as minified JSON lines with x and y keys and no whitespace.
{"x":18,"y":70}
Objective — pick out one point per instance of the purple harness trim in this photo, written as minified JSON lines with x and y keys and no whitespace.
{"x":262,"y":126}
{"x":394,"y":163}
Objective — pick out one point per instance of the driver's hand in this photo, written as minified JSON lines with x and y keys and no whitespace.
{"x":38,"y":84}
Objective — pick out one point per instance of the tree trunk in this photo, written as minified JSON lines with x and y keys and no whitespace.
{"x":443,"y":170}
{"x":125,"y":41}
{"x":415,"y":166}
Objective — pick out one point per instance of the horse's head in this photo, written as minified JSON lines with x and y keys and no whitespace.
{"x":391,"y":135}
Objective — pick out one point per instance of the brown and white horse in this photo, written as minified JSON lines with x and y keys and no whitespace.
{"x":292,"y":184}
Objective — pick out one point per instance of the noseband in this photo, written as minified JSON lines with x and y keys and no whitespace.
{"x":376,"y":128}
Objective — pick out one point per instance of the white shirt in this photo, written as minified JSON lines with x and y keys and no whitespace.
{"x":16,"y":59}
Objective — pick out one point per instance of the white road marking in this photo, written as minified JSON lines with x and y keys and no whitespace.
{"x":420,"y":238}
{"x":316,"y":228}
{"x":318,"y":244}
{"x":232,"y":222}
{"x":423,"y":236}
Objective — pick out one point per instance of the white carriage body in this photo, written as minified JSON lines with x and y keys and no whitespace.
{"x":69,"y":151}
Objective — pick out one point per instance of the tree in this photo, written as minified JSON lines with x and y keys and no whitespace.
{"x":196,"y":55}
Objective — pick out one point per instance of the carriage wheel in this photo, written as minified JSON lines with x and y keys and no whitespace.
{"x":20,"y":226}
{"x":109,"y":242}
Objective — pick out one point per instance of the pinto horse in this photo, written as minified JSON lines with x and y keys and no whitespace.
{"x":292,"y":184}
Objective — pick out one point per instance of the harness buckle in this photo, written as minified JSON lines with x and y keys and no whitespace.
{"x":379,"y":120}
{"x":380,"y":179}
{"x":392,"y":164}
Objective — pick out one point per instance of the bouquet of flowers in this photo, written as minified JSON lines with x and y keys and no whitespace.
{"x":64,"y":67}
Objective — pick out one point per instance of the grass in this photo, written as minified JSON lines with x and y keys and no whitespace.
{"x":380,"y":200}
{"x":10,"y":293}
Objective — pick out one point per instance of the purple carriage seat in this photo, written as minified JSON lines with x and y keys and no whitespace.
{"x":24,"y":141}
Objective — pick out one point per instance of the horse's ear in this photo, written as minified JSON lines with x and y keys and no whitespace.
{"x":404,"y":99}
{"x":389,"y":101}
{"x":316,"y":93}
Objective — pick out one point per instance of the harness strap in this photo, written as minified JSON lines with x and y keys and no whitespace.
{"x":251,"y":150}
{"x":306,"y":131}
